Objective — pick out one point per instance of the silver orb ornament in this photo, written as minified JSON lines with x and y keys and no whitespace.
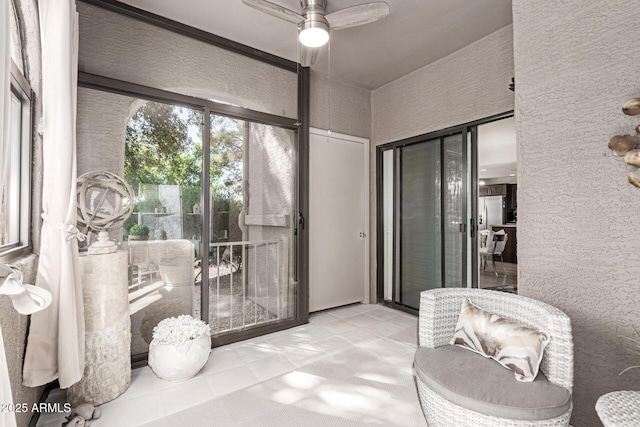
{"x":105,"y":202}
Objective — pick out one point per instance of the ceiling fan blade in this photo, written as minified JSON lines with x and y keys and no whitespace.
{"x":275,"y":10}
{"x":307,"y":55}
{"x":357,"y":15}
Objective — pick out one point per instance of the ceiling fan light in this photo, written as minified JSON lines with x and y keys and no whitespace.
{"x":314,"y":33}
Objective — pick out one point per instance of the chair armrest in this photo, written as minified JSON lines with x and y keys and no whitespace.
{"x":557,"y":363}
{"x":438,"y":317}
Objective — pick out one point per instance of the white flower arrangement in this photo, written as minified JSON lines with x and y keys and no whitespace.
{"x":178,"y":330}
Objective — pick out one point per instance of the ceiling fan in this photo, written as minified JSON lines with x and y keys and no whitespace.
{"x":314,"y":23}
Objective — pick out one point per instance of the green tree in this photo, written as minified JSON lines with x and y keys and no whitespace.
{"x":158,"y":148}
{"x":227,"y":138}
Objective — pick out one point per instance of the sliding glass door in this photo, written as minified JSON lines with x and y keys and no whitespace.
{"x":251,"y":233}
{"x":423,"y":216}
{"x":213,"y":233}
{"x":419,"y":221}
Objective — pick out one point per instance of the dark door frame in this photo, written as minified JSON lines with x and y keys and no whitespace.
{"x":473,"y":223}
{"x":433,"y":137}
{"x":469,"y":139}
{"x":300,"y":126}
{"x":300,"y":266}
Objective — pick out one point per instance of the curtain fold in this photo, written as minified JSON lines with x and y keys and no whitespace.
{"x":55,"y":346}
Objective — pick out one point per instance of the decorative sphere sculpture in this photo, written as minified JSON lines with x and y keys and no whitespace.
{"x":105,"y":202}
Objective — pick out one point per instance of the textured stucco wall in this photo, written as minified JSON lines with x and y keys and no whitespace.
{"x":344,"y":109}
{"x":14,"y":332}
{"x":123,"y":48}
{"x":101,"y":126}
{"x":576,"y":63}
{"x":467,"y":85}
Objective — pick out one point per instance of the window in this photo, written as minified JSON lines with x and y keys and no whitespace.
{"x":15,"y":153}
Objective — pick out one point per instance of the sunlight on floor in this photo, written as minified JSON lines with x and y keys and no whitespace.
{"x":350,"y":366}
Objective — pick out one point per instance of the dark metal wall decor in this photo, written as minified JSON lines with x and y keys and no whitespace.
{"x":627,"y":145}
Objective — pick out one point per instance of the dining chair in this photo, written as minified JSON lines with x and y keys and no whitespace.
{"x":496,"y":243}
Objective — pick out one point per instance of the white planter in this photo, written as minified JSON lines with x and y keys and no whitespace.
{"x":179,"y":362}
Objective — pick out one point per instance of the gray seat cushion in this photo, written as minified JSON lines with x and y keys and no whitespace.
{"x":483,"y":385}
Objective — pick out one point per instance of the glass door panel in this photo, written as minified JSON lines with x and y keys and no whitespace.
{"x":454,"y":211}
{"x":252,"y":180}
{"x":163,"y":163}
{"x":420,"y":221}
{"x":388,"y":222}
{"x":423,"y":218}
{"x":496,"y":259}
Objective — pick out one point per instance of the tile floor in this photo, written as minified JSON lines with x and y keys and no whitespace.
{"x":349,"y":366}
{"x":506,"y":280}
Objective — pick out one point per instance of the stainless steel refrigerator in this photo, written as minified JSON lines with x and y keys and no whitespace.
{"x":490,"y":211}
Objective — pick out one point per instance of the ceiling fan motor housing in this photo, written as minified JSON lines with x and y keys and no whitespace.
{"x":314,"y":11}
{"x":314,"y":30}
{"x":313,"y":23}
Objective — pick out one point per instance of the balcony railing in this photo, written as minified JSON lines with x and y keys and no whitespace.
{"x":257,"y":267}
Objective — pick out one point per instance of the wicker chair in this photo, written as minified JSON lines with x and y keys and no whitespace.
{"x":439,"y":311}
{"x":619,"y":408}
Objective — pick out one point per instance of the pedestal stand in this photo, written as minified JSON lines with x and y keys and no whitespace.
{"x":107,"y":372}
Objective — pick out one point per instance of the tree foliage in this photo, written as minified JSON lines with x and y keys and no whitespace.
{"x":158,"y":148}
{"x":227,"y":136}
{"x":163,"y":148}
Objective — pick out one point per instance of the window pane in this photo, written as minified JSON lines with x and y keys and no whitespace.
{"x":163,"y":164}
{"x":157,"y":148}
{"x":388,"y":219}
{"x":10,"y":205}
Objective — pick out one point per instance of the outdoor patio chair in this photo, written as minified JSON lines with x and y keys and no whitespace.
{"x":458,"y":387}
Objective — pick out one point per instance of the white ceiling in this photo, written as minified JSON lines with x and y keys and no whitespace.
{"x":416,"y":33}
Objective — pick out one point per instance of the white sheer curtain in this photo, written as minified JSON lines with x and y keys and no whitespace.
{"x":6,"y":418}
{"x":55,"y":347}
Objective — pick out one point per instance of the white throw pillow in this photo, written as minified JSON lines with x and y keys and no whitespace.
{"x":512,"y":344}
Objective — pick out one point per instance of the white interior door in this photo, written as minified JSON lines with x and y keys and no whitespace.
{"x":338,"y":220}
